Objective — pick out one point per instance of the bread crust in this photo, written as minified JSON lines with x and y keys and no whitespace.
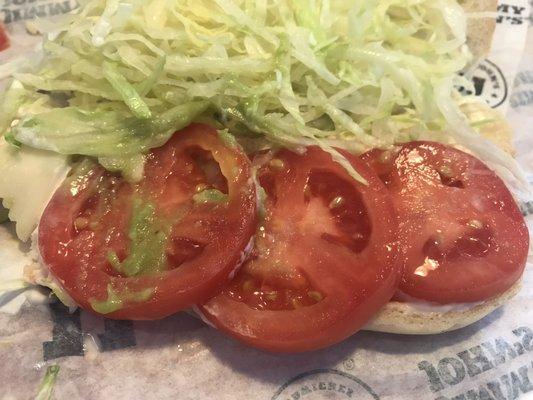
{"x":491,"y":124}
{"x":403,"y":318}
{"x":480,"y":30}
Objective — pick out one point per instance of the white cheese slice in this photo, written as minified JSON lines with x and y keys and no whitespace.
{"x":28,"y":179}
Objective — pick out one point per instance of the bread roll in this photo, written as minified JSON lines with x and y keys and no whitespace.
{"x":480,"y":30}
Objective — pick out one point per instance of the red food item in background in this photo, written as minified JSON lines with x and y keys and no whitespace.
{"x":4,"y":39}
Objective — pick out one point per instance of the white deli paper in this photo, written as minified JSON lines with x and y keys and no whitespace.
{"x":182,"y":358}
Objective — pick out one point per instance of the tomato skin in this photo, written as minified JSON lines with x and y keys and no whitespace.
{"x":462,"y":236}
{"x":353,"y":286}
{"x":78,"y":258}
{"x":4,"y":39}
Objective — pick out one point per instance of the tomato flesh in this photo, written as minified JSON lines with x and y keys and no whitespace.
{"x":462,"y":235}
{"x":147,"y":250}
{"x":324,"y":260}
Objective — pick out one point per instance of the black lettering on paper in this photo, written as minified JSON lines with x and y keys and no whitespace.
{"x":481,"y":394}
{"x":475,"y":360}
{"x":517,"y":383}
{"x":451,"y":370}
{"x":527,"y":337}
{"x":496,"y":390}
{"x":67,"y":337}
{"x":117,"y":335}
{"x":500,"y":352}
{"x":20,"y":10}
{"x":435,"y":384}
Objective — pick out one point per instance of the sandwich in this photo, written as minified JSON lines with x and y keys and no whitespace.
{"x":292,"y":171}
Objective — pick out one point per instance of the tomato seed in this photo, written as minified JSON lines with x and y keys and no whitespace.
{"x":307,"y":191}
{"x":446,"y":171}
{"x":248,"y":286}
{"x":475,"y":223}
{"x":271,"y":295}
{"x":336,"y":202}
{"x":276,"y":163}
{"x":200,"y":187}
{"x":317,"y":296}
{"x":296,"y":303}
{"x":385,"y":157}
{"x":81,"y":223}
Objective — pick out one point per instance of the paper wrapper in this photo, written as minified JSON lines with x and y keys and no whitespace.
{"x":182,"y":358}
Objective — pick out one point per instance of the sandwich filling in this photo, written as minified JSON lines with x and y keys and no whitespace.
{"x":166,"y":136}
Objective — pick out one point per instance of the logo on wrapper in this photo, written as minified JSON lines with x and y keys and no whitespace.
{"x":325,"y":384}
{"x":489,"y":84}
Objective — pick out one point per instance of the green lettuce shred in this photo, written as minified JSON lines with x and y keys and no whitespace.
{"x":210,"y":196}
{"x":148,"y":236}
{"x":115,"y":301}
{"x":102,"y":133}
{"x":337,"y":73}
{"x":126,"y":91}
{"x":46,"y":388}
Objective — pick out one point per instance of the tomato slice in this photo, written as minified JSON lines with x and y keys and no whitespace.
{"x":324,"y":260}
{"x":148,"y":250}
{"x":4,"y":39}
{"x":461,"y":232}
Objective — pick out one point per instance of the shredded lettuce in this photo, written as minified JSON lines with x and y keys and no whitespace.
{"x":149,"y":237}
{"x":341,"y":74}
{"x":46,"y":388}
{"x":115,"y":301}
{"x":126,"y":91}
{"x":210,"y":196}
{"x":101,"y":132}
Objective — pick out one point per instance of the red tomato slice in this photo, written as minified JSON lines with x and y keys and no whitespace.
{"x":461,"y":232}
{"x":4,"y":39}
{"x":100,"y":235}
{"x":324,"y":260}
